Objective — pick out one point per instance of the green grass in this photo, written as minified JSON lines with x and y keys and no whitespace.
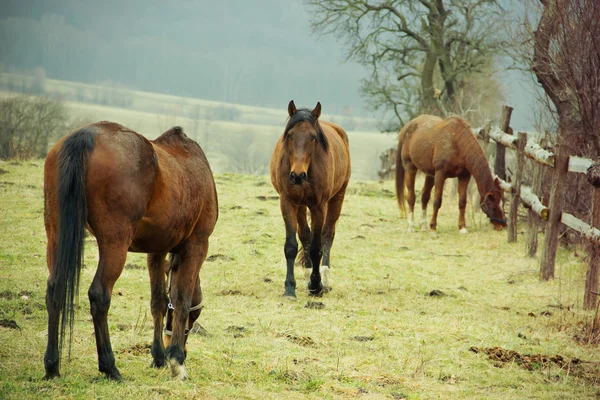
{"x":379,"y":335}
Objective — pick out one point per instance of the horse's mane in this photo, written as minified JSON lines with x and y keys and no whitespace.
{"x":302,"y":115}
{"x":479,"y":166}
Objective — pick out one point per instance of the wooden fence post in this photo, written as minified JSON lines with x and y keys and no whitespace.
{"x":557,"y":200}
{"x":516,"y":188}
{"x":533,"y":220}
{"x":486,"y":137}
{"x":500,"y":162}
{"x":591,"y":279}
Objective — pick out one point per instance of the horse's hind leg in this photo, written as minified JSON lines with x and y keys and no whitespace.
{"x":409,"y":178}
{"x":112,"y":260}
{"x":334,"y":209}
{"x":304,"y":234}
{"x":425,"y":199}
{"x":51,"y":357}
{"x":158,"y":305}
{"x":183,"y":284}
{"x":440,"y":177}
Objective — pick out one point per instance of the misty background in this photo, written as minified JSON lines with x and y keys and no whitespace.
{"x":258,"y":53}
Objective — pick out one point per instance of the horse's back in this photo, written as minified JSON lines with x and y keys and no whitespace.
{"x":184,"y":198}
{"x":430,"y":142}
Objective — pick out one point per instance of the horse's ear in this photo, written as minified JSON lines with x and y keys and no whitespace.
{"x":317,"y":111}
{"x":291,"y":108}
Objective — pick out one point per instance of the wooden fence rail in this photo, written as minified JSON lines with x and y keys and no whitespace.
{"x":562,"y":164}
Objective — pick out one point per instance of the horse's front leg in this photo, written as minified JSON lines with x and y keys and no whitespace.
{"x":439,"y":178}
{"x":290,"y":248}
{"x":304,"y":234}
{"x":183,"y":283}
{"x":158,"y":306}
{"x":425,"y":196}
{"x":317,"y":216}
{"x":463,"y":184}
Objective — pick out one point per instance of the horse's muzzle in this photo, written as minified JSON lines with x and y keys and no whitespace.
{"x":297,"y":179}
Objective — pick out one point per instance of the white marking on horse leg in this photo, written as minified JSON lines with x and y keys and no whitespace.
{"x":325,"y":278}
{"x":424,"y":223}
{"x":307,"y":272}
{"x":463,"y":231}
{"x":177,"y":370}
{"x":411,"y":225}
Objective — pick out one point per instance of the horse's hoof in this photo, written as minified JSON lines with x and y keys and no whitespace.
{"x":316,"y":292}
{"x":177,"y":370}
{"x":158,"y":364}
{"x":462,"y":231}
{"x":51,"y":375}
{"x":290,"y":292}
{"x":290,"y":297}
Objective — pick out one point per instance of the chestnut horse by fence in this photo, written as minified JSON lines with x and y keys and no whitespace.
{"x":310,"y":168}
{"x":444,"y":148}
{"x":132,"y":194}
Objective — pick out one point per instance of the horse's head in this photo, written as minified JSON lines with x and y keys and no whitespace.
{"x":301,"y":136}
{"x":492,"y":204}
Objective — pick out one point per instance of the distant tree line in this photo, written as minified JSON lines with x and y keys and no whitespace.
{"x":29,"y":124}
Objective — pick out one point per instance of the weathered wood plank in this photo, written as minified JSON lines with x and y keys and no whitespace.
{"x":537,"y":153}
{"x":533,"y":202}
{"x":576,"y":224}
{"x":504,"y":139}
{"x":507,"y":187}
{"x":578,"y":164}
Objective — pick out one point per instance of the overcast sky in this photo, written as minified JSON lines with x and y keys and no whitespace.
{"x":257,"y":52}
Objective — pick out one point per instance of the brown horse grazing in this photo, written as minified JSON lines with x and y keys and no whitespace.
{"x":444,"y":148}
{"x":132,"y":194}
{"x":310,"y":167}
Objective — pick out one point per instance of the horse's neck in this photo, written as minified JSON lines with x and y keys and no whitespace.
{"x":477,"y":163}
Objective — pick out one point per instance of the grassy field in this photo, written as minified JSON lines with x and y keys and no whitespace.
{"x":402,"y":321}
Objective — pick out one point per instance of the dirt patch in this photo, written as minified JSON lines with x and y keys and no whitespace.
{"x":265,"y":198}
{"x":316,"y":305}
{"x":134,"y":266}
{"x":363,"y":338}
{"x":215,"y":257}
{"x":238,"y":331}
{"x":436,"y":293}
{"x":229,"y":292}
{"x":8,"y":295}
{"x":305,"y":341}
{"x":137,"y":349}
{"x":199,"y":330}
{"x":589,"y":371}
{"x":9,"y":323}
{"x":3,"y":171}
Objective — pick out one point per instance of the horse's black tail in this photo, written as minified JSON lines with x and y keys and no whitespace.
{"x":400,"y":176}
{"x":72,"y":205}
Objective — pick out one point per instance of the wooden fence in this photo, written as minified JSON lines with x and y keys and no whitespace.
{"x":562,"y":164}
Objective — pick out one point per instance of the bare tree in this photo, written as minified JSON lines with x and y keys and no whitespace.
{"x":28,"y":124}
{"x":566,"y":62}
{"x":418,"y":51}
